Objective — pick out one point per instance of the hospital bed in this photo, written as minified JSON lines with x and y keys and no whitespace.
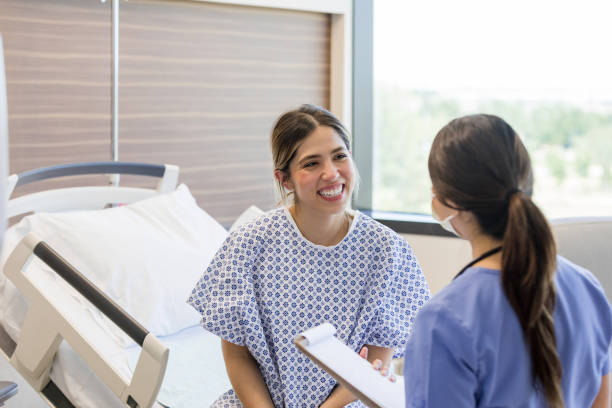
{"x":89,"y":270}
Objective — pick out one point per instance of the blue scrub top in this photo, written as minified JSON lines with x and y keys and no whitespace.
{"x":467,"y":348}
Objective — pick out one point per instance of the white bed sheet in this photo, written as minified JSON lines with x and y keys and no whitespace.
{"x":195,"y":376}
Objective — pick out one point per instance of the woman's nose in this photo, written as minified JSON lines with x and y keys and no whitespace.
{"x":330,"y":171}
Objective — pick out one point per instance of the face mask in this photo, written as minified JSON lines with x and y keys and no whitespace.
{"x":445,"y":223}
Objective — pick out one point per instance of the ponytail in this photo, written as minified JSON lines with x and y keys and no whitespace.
{"x":528,"y":266}
{"x":479,"y":164}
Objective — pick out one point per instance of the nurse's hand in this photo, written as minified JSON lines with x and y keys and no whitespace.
{"x":378,"y":366}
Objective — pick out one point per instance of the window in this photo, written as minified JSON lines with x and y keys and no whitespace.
{"x":544,"y":66}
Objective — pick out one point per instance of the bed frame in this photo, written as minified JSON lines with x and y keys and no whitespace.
{"x":91,"y":197}
{"x":45,"y":327}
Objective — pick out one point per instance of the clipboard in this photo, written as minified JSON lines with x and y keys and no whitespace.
{"x":348,"y":368}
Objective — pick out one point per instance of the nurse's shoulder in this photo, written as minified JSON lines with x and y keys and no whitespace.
{"x":475,"y":299}
{"x":580,"y":294}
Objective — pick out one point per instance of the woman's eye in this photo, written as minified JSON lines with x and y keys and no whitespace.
{"x":310,"y":164}
{"x":341,"y":156}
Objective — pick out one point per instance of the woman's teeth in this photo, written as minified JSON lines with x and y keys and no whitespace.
{"x":332,"y":192}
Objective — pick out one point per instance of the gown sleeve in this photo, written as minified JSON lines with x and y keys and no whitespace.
{"x":403,"y":295}
{"x":440,"y":362}
{"x":224,"y":294}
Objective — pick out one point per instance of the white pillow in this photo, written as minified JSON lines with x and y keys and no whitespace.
{"x":147,"y":256}
{"x":248,"y":215}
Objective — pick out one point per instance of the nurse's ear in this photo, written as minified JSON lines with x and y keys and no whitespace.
{"x":283,"y":179}
{"x":445,"y":203}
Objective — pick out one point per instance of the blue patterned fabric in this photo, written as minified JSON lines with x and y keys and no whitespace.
{"x":268,"y":283}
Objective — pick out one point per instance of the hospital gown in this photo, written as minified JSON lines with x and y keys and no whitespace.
{"x":267,"y":283}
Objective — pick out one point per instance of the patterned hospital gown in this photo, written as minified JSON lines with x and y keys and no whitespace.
{"x":267,"y":283}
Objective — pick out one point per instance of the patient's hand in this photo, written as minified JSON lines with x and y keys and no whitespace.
{"x":378,"y":365}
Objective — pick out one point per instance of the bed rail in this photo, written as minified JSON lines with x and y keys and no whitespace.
{"x":163,"y":171}
{"x":46,"y":326}
{"x":43,"y":173}
{"x":91,"y":292}
{"x":90,"y":197}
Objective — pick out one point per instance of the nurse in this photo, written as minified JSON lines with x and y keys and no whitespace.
{"x":313,"y":260}
{"x":519,"y":326}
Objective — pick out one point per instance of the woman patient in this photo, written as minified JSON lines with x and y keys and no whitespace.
{"x":311,"y":261}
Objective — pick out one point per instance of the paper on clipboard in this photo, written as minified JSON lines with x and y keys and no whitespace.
{"x":349,"y":369}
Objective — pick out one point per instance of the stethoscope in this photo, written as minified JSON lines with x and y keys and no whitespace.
{"x":480,"y":258}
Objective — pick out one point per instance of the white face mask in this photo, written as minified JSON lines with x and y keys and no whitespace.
{"x":445,"y":223}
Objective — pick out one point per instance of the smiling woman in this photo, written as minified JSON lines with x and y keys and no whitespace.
{"x":309,"y":262}
{"x":320,"y":174}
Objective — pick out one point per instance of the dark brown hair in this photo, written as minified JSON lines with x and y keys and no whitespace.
{"x":292,"y":128}
{"x":479,"y":164}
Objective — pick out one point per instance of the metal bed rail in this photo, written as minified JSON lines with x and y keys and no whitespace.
{"x":45,"y":327}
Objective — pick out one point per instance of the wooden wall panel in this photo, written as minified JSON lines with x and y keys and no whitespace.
{"x":201,"y":85}
{"x":57,"y":57}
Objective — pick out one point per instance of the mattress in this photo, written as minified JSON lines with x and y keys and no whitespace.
{"x":195,"y":375}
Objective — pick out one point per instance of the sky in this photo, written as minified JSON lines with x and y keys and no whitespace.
{"x":528,"y":49}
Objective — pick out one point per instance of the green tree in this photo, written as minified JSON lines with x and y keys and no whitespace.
{"x":556,"y":164}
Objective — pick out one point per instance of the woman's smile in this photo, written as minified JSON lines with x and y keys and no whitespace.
{"x":332,"y":193}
